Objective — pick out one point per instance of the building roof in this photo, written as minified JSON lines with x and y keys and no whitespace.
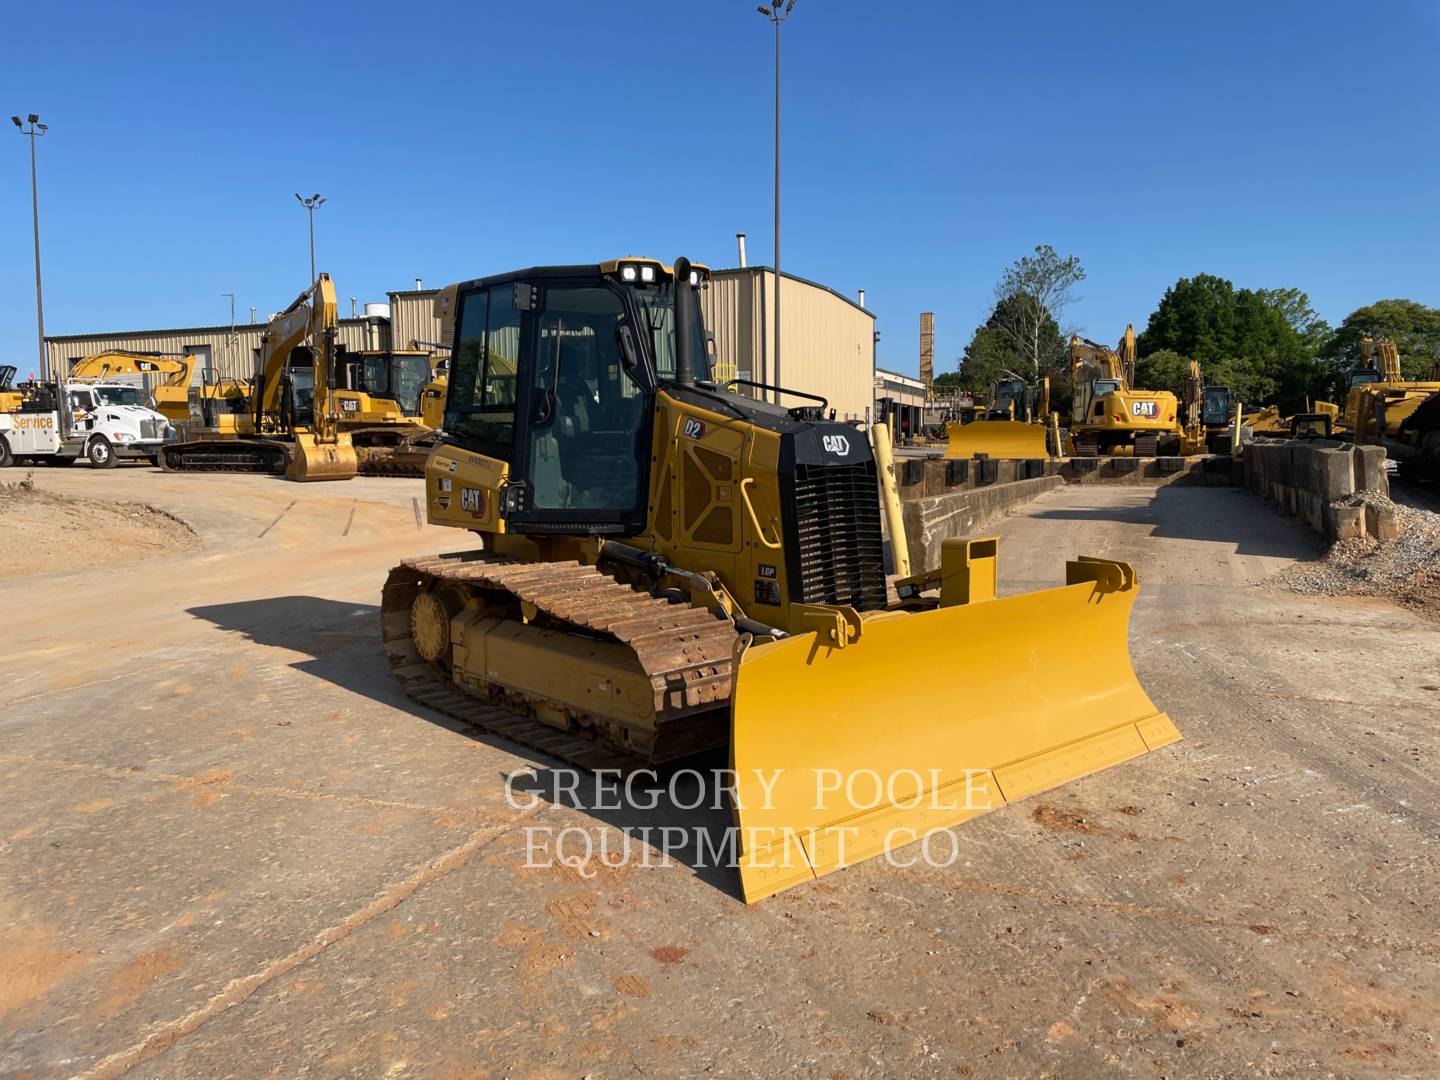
{"x":239,"y":328}
{"x":793,"y":277}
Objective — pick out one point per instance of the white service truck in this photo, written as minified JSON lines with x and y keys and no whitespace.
{"x":100,"y":421}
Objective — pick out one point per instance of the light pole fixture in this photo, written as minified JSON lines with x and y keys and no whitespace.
{"x":777,"y":12}
{"x":313,"y":203}
{"x":34,"y":131}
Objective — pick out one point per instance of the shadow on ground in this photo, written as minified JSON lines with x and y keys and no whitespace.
{"x":1220,"y":515}
{"x":678,"y":809}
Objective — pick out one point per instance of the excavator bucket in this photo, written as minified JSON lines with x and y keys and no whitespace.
{"x":315,"y":460}
{"x":997,"y":439}
{"x":834,"y":764}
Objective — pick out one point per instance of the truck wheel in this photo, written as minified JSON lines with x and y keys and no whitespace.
{"x":6,"y":458}
{"x":100,"y":453}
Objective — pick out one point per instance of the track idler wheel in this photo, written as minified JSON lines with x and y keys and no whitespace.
{"x":430,"y":626}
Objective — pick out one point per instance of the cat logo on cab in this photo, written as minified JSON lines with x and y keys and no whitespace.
{"x":835,"y":444}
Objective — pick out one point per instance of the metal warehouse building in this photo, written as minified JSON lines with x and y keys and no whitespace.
{"x":827,"y":341}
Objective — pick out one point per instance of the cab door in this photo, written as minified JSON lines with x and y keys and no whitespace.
{"x":583,"y":447}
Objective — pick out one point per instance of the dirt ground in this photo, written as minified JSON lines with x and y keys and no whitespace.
{"x":44,"y":531}
{"x":229,"y":847}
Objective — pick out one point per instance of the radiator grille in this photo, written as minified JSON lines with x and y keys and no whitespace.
{"x":837,"y":515}
{"x":149,"y":429}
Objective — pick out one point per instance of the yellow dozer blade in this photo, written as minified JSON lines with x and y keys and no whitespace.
{"x":997,"y":438}
{"x":315,"y":460}
{"x":835,"y":763}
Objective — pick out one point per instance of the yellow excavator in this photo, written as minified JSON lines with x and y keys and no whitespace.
{"x":286,"y":423}
{"x":1209,"y":416}
{"x":390,"y":402}
{"x":1013,"y":425}
{"x":1108,"y":416}
{"x":665,"y":565}
{"x":172,"y":397}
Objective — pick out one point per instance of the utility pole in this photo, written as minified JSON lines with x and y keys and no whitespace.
{"x":231,"y":297}
{"x":36,"y":130}
{"x":313,"y":203}
{"x":778,"y":12}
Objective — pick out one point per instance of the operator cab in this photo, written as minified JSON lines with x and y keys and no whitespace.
{"x":1215,"y":407}
{"x":1364,"y":377}
{"x":555,"y":371}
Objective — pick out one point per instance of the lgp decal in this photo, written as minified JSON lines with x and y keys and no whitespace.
{"x":472,"y":501}
{"x":693,"y":429}
{"x":446,"y":484}
{"x":835,"y":444}
{"x":1149,"y":409}
{"x":442,"y":501}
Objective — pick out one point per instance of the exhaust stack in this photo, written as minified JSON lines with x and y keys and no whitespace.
{"x":684,"y":324}
{"x":740,"y":240}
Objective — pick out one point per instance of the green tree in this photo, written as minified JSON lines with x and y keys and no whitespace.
{"x":1163,"y":369}
{"x":993,"y":351}
{"x":1262,"y":343}
{"x":1413,"y":327}
{"x":1030,"y":297}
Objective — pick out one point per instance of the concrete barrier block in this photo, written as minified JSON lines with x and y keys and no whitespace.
{"x":1343,"y":522}
{"x":1331,"y":474}
{"x":931,"y":521}
{"x":934,"y":476}
{"x":1370,"y":475}
{"x":1310,"y":508}
{"x":1382,"y":523}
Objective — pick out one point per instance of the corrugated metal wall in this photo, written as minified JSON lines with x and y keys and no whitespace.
{"x":412,"y":318}
{"x":231,"y":356}
{"x":827,"y":342}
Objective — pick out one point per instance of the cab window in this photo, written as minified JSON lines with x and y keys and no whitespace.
{"x":481,"y":404}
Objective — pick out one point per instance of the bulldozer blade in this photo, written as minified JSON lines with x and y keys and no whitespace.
{"x":996,"y":439}
{"x":834,"y":761}
{"x":316,"y":460}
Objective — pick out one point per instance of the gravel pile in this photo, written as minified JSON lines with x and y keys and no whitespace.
{"x":1405,"y":570}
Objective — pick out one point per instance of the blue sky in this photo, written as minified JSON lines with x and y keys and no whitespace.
{"x":926,"y":145}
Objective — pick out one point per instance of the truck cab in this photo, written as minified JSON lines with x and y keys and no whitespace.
{"x":101,"y":421}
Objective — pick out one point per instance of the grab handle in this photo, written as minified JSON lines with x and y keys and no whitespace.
{"x":754,"y":518}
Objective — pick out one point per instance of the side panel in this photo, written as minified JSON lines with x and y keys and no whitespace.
{"x":462,"y":489}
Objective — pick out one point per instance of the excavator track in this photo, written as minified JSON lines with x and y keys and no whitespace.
{"x":228,"y":455}
{"x":686,"y":653}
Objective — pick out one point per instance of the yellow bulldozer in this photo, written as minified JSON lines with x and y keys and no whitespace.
{"x":285,"y":422}
{"x":1108,"y":416}
{"x":665,"y":566}
{"x":1015,"y":424}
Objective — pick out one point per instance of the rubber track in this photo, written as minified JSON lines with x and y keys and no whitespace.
{"x":686,"y":651}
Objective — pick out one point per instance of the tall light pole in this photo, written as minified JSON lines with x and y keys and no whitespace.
{"x":777,"y":13}
{"x":35,"y":130}
{"x":313,"y":203}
